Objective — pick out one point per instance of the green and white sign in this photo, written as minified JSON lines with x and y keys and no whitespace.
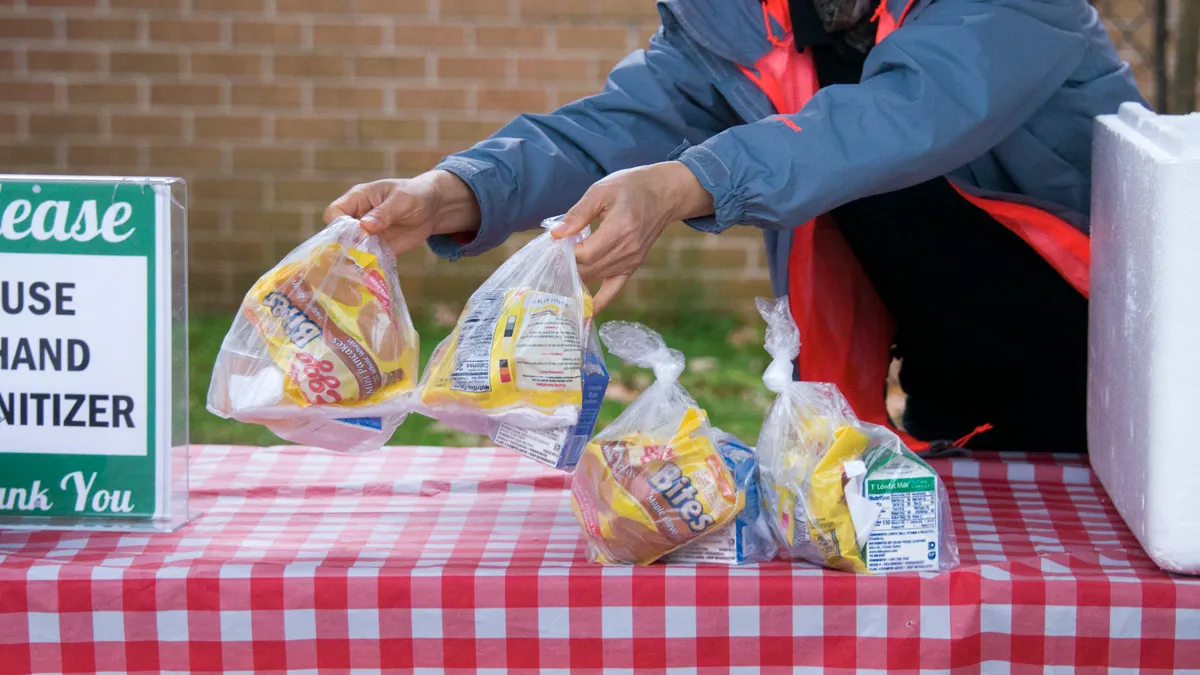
{"x":89,"y":424}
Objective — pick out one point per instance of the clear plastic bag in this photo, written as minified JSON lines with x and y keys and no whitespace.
{"x":653,"y":480}
{"x":516,"y":354}
{"x":749,"y":538}
{"x":323,"y":351}
{"x":840,"y":492}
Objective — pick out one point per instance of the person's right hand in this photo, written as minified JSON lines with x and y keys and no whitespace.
{"x":406,"y":211}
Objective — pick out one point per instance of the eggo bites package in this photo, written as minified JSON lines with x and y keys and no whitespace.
{"x":653,"y":480}
{"x":516,"y":353}
{"x":323,"y":350}
{"x":840,"y":492}
{"x":748,"y":539}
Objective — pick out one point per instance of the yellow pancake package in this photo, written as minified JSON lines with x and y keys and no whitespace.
{"x":323,"y":350}
{"x":516,"y":354}
{"x":840,"y":492}
{"x":653,"y":480}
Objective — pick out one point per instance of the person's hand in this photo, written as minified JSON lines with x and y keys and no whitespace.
{"x":407,"y":211}
{"x":634,"y":207}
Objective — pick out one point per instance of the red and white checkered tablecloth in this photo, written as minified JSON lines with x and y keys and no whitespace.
{"x":430,"y":559}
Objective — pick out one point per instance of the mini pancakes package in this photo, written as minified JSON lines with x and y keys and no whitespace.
{"x":516,"y":355}
{"x":748,"y":539}
{"x":653,"y":480}
{"x":840,"y":492}
{"x":323,"y":351}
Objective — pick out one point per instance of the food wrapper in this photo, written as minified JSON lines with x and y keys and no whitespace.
{"x":323,"y":351}
{"x":653,"y":480}
{"x":749,"y":538}
{"x":840,"y":492}
{"x":516,"y":353}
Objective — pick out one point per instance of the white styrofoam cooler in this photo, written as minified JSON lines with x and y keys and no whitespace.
{"x":1144,"y":353}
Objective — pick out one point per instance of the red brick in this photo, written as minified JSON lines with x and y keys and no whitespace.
{"x":512,"y":100}
{"x":120,"y":157}
{"x":267,"y":33}
{"x":644,"y":35}
{"x":17,"y":157}
{"x":412,"y":162}
{"x":22,"y":28}
{"x":317,"y":128}
{"x":184,"y":31}
{"x":456,"y":131}
{"x":51,"y":124}
{"x":245,"y":252}
{"x":473,"y":8}
{"x":185,"y":94}
{"x":390,"y":129}
{"x":8,"y":124}
{"x":389,"y":66}
{"x":315,"y":6}
{"x":8,"y":61}
{"x":60,"y":3}
{"x":225,"y":190}
{"x":146,"y":125}
{"x":628,"y":9}
{"x":62,"y":61}
{"x":160,"y":5}
{"x":311,"y":191}
{"x":310,"y":65}
{"x":553,"y":69}
{"x":228,"y":126}
{"x":185,"y":158}
{"x":266,"y":95}
{"x":430,"y":98}
{"x":531,"y":37}
{"x":150,"y":63}
{"x":223,"y":6}
{"x":267,"y":158}
{"x":358,"y":98}
{"x":604,"y":38}
{"x":227,"y":63}
{"x":107,"y":30}
{"x":112,"y":94}
{"x":569,"y":94}
{"x":485,"y":68}
{"x":346,"y":36}
{"x":349,"y":160}
{"x":393,"y":7}
{"x":429,"y":35}
{"x":557,"y":8}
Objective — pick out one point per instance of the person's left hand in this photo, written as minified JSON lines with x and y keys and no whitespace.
{"x":634,"y":207}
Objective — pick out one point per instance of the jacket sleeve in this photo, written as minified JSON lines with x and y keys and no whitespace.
{"x":538,"y":166}
{"x":943,"y":89}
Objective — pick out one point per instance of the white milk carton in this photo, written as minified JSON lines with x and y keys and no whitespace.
{"x":1144,"y":360}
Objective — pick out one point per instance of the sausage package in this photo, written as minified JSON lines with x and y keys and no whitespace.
{"x":322,"y":351}
{"x":840,"y":492}
{"x":748,"y":539}
{"x":653,"y":480}
{"x":516,"y":355}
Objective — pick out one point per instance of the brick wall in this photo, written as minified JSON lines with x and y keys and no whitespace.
{"x":272,"y":108}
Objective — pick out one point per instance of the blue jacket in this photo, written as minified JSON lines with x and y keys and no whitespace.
{"x":997,"y":95}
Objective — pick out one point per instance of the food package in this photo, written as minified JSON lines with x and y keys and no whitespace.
{"x":516,"y":354}
{"x":748,"y":539}
{"x":562,"y":447}
{"x":840,"y":492}
{"x":653,"y":480}
{"x":323,"y":351}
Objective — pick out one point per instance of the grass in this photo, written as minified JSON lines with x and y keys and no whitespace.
{"x":725,"y":366}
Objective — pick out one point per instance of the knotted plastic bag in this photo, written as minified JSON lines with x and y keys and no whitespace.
{"x":840,"y":492}
{"x":323,"y":351}
{"x":516,"y":353}
{"x":652,"y":480}
{"x":749,"y":538}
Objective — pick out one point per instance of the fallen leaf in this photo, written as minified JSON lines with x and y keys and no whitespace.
{"x":745,"y":335}
{"x":704,"y":364}
{"x":620,"y":393}
{"x":444,"y":315}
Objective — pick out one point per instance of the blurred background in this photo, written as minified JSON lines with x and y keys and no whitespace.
{"x":272,"y":108}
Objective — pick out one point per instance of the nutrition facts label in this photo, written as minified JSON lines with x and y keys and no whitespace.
{"x":905,"y":537}
{"x":548,"y":350}
{"x":474,"y":352}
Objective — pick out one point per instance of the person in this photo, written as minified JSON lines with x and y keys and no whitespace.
{"x":920,"y":170}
